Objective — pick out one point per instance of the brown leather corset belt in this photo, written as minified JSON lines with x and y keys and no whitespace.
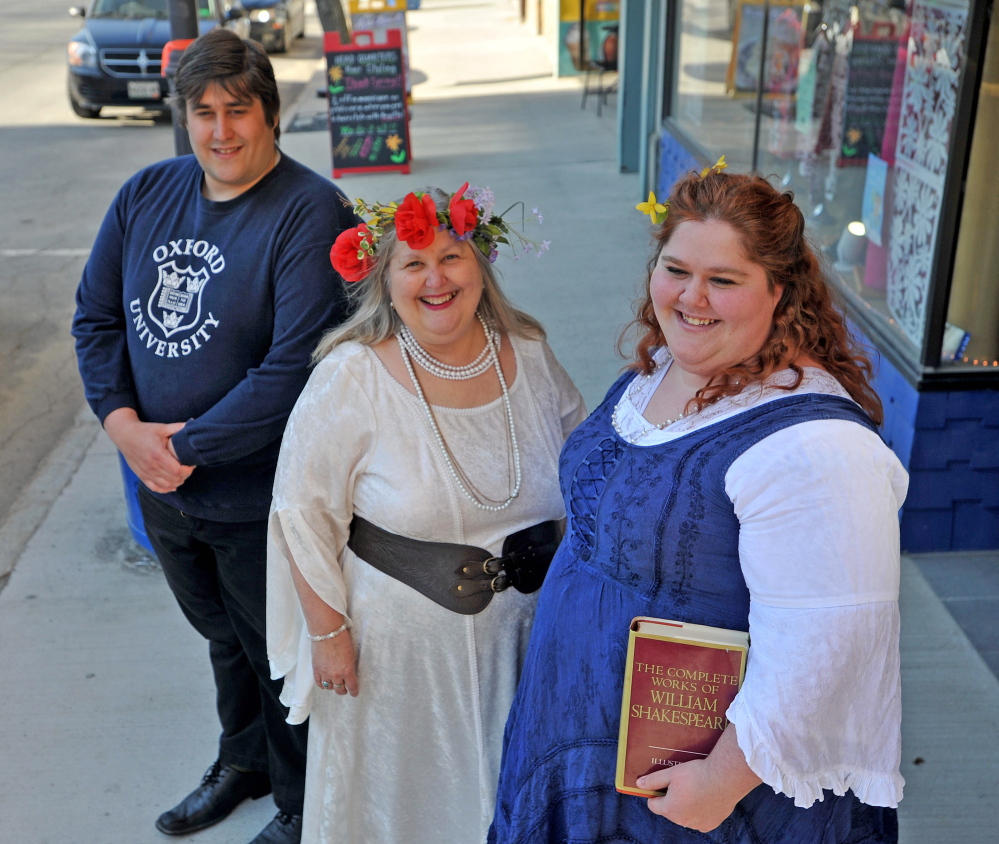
{"x":461,"y":578}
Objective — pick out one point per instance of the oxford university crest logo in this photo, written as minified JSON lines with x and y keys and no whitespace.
{"x":175,"y":303}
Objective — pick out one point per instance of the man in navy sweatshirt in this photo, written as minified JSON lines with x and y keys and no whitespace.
{"x":208,"y":286}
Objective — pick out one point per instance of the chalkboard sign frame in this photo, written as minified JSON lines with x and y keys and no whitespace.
{"x":397,"y":130}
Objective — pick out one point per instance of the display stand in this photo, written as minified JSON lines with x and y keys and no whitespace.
{"x":379,"y":17}
{"x":368,"y":115}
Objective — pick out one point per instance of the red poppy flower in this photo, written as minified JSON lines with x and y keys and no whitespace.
{"x":416,"y":221}
{"x":344,"y":254}
{"x":463,"y":212}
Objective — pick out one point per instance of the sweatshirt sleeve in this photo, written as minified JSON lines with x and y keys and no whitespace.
{"x":100,"y":322}
{"x":309,"y":298}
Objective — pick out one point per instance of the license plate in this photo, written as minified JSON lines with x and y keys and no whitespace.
{"x":144,"y":90}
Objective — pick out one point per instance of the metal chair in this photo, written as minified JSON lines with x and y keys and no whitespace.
{"x":607,"y":63}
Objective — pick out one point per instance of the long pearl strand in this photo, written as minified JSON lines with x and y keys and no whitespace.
{"x":457,"y":475}
{"x":425,"y":361}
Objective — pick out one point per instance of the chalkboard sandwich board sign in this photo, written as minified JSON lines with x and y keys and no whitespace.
{"x":368,"y":117}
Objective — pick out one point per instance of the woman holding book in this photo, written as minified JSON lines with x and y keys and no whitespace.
{"x":417,"y":480}
{"x":733,"y":477}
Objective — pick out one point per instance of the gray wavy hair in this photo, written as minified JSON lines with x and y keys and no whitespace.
{"x":374,"y":319}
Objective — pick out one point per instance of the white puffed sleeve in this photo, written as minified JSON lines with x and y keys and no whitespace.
{"x":330,"y":434}
{"x":571,"y":408}
{"x":819,"y":547}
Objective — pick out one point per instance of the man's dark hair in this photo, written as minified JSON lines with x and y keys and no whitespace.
{"x":241,"y":68}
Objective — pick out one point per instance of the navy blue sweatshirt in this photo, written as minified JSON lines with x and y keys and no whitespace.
{"x":206,"y":312}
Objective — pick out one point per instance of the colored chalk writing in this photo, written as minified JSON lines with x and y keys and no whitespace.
{"x":368,"y":114}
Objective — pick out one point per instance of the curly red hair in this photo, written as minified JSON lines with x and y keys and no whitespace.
{"x":806,"y":323}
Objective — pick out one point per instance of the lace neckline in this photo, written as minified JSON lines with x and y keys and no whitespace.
{"x":632,"y":426}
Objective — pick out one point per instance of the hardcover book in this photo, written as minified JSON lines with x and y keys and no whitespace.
{"x":678,"y":683}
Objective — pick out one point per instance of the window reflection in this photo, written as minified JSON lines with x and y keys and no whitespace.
{"x":854,"y":114}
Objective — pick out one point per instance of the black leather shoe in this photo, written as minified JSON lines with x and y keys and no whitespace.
{"x":222,"y":789}
{"x":284,"y":829}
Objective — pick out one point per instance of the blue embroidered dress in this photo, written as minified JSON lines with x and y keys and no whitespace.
{"x":651,"y":531}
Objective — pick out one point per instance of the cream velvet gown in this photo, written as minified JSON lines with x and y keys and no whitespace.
{"x":415,"y":757}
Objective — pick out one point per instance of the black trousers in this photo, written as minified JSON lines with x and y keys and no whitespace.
{"x":218,"y":574}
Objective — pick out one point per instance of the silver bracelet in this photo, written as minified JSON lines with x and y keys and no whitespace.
{"x":326,"y":636}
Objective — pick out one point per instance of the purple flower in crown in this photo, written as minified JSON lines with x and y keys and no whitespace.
{"x":484,"y":200}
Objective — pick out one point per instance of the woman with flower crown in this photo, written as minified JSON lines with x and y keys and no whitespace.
{"x":417,"y":482}
{"x":733,"y":477}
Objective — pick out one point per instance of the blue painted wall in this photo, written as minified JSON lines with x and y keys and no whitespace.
{"x":674,"y":162}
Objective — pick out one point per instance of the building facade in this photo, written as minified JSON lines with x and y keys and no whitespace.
{"x":880,"y":116}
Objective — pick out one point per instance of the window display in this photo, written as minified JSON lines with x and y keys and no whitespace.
{"x":852,"y":106}
{"x":702,"y":104}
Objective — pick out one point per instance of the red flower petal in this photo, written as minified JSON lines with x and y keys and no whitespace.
{"x":343,"y":254}
{"x":462,"y":212}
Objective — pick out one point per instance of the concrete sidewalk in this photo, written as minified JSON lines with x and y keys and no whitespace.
{"x":107,"y":696}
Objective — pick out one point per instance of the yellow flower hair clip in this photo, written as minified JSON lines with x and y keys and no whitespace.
{"x":657,"y":211}
{"x":717,"y":168}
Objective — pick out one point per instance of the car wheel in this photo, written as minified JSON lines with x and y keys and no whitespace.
{"x":81,"y":110}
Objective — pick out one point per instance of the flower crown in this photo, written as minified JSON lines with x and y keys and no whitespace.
{"x":659,"y":211}
{"x":468,"y":216}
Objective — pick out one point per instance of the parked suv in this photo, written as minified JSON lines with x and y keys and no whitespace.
{"x":114,"y":60}
{"x":274,"y":23}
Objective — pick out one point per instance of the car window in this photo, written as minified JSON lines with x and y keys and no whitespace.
{"x":135,"y":9}
{"x":130,"y":9}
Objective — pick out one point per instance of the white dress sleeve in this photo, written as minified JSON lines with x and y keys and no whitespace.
{"x":571,"y":409}
{"x":819,"y":547}
{"x":311,"y":513}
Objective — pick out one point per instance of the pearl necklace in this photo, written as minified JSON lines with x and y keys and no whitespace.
{"x":426,"y":362}
{"x":457,"y":475}
{"x":650,"y":427}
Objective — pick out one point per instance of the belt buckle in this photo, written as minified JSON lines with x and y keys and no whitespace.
{"x":500,"y":583}
{"x":487,"y":568}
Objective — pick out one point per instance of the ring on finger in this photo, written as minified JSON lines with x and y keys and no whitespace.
{"x":326,"y":684}
{"x":339,"y":685}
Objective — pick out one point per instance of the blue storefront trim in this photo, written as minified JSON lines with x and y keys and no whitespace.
{"x":674,"y":161}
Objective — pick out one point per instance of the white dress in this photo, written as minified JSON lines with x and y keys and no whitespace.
{"x":415,"y":756}
{"x":823,"y":592}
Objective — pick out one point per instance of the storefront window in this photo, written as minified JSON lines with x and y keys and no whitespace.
{"x":971,"y":338}
{"x":703,"y":106}
{"x":854,"y":114}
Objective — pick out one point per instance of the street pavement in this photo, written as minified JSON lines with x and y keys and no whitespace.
{"x":107,"y":696}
